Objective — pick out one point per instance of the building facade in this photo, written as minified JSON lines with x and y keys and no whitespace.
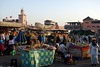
{"x":22,"y":18}
{"x":49,"y":22}
{"x":73,"y":25}
{"x":11,"y":20}
{"x":90,"y":23}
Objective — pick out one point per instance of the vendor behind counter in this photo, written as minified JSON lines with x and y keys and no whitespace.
{"x":35,"y":42}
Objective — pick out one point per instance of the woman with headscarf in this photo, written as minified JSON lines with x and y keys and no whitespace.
{"x":94,"y":52}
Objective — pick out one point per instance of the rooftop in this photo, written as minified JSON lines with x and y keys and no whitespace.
{"x":73,"y":22}
{"x":88,"y":18}
{"x":96,"y":21}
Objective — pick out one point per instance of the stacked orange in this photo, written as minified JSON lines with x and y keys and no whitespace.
{"x":67,"y":36}
{"x":60,"y":35}
{"x":15,"y":33}
{"x":32,"y":34}
{"x":44,"y":35}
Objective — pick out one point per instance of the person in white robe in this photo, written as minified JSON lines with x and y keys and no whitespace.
{"x":94,"y":52}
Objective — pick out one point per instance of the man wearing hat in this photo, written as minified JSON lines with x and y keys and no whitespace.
{"x":94,"y":52}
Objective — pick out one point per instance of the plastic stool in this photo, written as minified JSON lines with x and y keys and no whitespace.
{"x":13,"y":62}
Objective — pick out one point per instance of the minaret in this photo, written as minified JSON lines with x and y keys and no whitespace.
{"x":22,"y":18}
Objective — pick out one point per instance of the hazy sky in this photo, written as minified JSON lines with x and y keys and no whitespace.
{"x":60,"y":11}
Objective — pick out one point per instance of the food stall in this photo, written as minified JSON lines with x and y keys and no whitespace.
{"x":81,"y":44}
{"x":80,"y":49}
{"x":37,"y":57}
{"x":80,"y":52}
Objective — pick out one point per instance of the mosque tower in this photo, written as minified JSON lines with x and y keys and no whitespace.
{"x":22,"y":18}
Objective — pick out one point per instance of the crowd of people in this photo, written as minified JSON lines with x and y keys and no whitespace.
{"x":62,"y":44}
{"x":8,"y":42}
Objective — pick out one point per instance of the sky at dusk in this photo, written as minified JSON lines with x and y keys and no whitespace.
{"x":60,"y":11}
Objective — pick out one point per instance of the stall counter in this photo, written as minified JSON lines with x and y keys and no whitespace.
{"x":80,"y":52}
{"x":37,"y":58}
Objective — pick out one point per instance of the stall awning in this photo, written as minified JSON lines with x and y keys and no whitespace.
{"x":10,"y":24}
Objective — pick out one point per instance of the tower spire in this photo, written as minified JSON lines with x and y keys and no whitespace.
{"x":22,"y":11}
{"x":22,"y":18}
